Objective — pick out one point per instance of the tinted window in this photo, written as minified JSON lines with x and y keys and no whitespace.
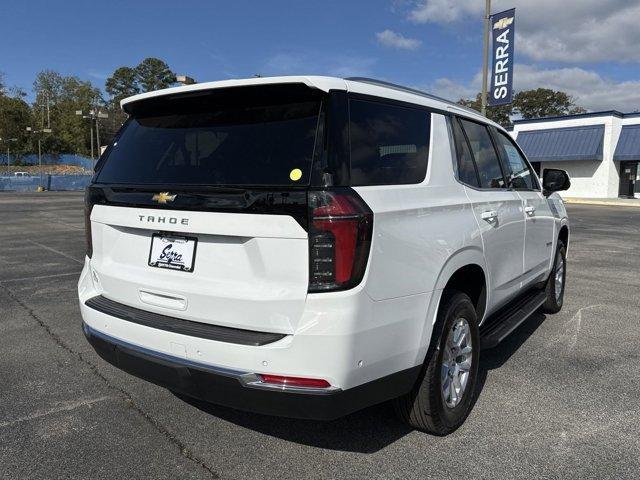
{"x":485,"y":155}
{"x":389,"y":144}
{"x":231,"y":140}
{"x":466,"y":168}
{"x":518,"y":172}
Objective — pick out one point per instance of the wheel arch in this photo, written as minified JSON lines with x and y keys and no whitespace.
{"x":563,"y":235}
{"x":464,"y":271}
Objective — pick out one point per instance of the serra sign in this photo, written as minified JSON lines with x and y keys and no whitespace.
{"x":502,"y":27}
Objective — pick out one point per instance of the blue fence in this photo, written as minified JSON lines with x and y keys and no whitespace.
{"x":50,"y":182}
{"x":63,"y":159}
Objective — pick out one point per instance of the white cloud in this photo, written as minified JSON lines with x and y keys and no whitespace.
{"x":552,"y":30}
{"x":342,"y":65}
{"x":589,"y":89}
{"x":389,"y":38}
{"x":452,"y":90}
{"x":443,"y":11}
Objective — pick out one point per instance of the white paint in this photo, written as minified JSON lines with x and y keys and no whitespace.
{"x":251,"y":271}
{"x":62,"y":407}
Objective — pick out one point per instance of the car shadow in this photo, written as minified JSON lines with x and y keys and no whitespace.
{"x":368,"y":430}
{"x":494,"y":358}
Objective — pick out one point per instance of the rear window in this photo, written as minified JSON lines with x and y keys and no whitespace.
{"x":389,"y":144}
{"x":249,"y":136}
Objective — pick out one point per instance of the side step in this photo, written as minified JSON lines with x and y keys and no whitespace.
{"x":497,"y":327}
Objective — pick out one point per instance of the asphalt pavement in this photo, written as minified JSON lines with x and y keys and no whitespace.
{"x":558,"y":399}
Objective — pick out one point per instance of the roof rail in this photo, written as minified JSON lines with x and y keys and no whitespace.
{"x":381,"y":83}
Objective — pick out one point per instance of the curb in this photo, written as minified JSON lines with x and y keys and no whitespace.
{"x":605,"y":203}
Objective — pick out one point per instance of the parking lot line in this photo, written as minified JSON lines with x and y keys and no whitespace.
{"x":40,"y":277}
{"x":56,"y":251}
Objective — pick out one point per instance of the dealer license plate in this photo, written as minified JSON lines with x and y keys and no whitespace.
{"x":173,"y":252}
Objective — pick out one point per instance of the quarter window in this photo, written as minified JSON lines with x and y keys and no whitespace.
{"x":466,"y":169}
{"x":484,"y":153}
{"x":389,"y":144}
{"x":518,"y":172}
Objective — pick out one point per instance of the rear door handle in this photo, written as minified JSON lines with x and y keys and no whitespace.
{"x":489,"y":215}
{"x":529,"y":210}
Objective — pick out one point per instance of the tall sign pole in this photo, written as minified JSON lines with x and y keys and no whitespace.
{"x":485,"y":55}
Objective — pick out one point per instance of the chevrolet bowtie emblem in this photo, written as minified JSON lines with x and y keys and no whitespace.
{"x":503,"y":23}
{"x":163,"y":197}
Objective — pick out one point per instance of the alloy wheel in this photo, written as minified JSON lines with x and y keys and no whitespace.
{"x":456,"y":362}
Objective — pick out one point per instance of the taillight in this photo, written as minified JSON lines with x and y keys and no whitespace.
{"x":91,"y":197}
{"x":340,"y":230}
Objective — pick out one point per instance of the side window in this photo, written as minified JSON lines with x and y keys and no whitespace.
{"x":518,"y":172}
{"x":487,"y":161}
{"x":389,"y":144}
{"x":466,"y":168}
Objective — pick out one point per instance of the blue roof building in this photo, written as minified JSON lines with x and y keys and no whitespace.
{"x":599,"y":150}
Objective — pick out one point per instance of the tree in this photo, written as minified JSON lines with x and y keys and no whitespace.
{"x":499,"y":114}
{"x":57,"y":100}
{"x":154,"y":74}
{"x":15,"y":116}
{"x":544,"y":102}
{"x":150,"y":74}
{"x":536,"y":103}
{"x":123,"y":83}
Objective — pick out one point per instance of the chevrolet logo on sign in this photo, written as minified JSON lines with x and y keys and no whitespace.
{"x":503,"y":23}
{"x":163,"y":197}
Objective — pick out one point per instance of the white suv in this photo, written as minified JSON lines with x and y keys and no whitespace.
{"x":309,"y":246}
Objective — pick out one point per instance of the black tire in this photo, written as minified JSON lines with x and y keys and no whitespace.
{"x":424,"y":408}
{"x":553,"y":303}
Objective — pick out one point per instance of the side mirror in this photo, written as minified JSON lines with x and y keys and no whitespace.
{"x":554,"y":180}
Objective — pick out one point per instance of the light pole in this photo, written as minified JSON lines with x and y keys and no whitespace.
{"x":93,"y":116}
{"x":8,"y":140}
{"x":44,"y":130}
{"x":485,"y":56}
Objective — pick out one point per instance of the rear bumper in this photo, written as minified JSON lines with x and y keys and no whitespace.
{"x":233,"y":388}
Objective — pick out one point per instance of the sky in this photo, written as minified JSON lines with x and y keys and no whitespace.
{"x":588,"y":48}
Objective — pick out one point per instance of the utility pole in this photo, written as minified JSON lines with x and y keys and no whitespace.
{"x":40,"y":132}
{"x":40,"y":160}
{"x":98,"y":136}
{"x":91,"y":130}
{"x":485,"y":55}
{"x":48,"y":115}
{"x":98,"y":116}
{"x":9,"y":140}
{"x":94,"y":116}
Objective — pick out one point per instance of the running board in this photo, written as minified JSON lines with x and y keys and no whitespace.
{"x":499,"y":325}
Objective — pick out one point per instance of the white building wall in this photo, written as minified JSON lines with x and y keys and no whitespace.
{"x":588,"y":179}
{"x":611,"y":135}
{"x":597,"y":179}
